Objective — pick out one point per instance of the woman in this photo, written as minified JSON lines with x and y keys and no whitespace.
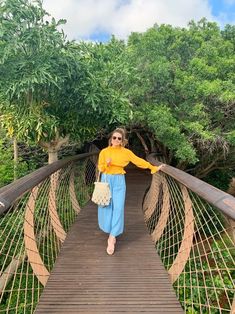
{"x":111,"y":163}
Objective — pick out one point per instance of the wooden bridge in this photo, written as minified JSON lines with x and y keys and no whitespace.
{"x":176,"y":254}
{"x":133,"y":280}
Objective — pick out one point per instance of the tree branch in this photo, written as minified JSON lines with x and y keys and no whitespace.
{"x":142,"y":142}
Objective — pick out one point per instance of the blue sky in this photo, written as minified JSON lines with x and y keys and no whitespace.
{"x":224,"y":10}
{"x":96,"y":20}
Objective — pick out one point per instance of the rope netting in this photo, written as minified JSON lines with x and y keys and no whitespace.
{"x":196,"y":244}
{"x":194,"y":239}
{"x":33,"y":230}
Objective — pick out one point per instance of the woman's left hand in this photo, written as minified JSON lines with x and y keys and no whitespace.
{"x":161,"y":167}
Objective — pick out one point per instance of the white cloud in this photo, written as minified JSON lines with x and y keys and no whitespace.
{"x":121,"y":17}
{"x":141,"y":14}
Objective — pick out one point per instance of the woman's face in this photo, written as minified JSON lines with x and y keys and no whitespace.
{"x":116,"y":139}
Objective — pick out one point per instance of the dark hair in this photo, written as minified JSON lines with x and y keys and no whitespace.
{"x":123,"y":134}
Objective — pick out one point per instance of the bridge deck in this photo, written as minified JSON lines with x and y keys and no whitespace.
{"x":86,"y":280}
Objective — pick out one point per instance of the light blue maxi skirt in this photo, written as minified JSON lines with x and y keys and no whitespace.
{"x":111,"y":217}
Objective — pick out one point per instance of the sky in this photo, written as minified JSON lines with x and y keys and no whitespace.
{"x":97,"y":20}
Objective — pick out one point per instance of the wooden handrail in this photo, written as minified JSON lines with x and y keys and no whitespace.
{"x":222,"y":200}
{"x":9,"y":193}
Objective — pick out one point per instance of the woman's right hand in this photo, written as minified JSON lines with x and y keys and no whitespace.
{"x":109,"y":160}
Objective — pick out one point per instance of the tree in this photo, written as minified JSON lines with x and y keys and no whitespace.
{"x":53,"y":90}
{"x":184,"y":97}
{"x":8,"y":169}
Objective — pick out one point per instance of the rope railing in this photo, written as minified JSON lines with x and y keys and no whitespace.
{"x":190,"y":221}
{"x":191,"y":224}
{"x":36,"y":213}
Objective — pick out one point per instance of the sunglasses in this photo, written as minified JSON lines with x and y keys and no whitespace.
{"x":116,"y":138}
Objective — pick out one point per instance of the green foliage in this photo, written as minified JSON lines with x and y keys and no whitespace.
{"x":166,"y":129}
{"x":51,"y":87}
{"x":197,"y":299}
{"x":186,"y":78}
{"x":98,"y":98}
{"x":176,"y":84}
{"x":11,"y":244}
{"x":23,"y":290}
{"x":220,"y":179}
{"x":7,"y":165}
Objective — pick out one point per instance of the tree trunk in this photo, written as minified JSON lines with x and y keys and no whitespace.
{"x":231,"y":189}
{"x":142,"y":142}
{"x":16,"y":157}
{"x":52,"y":156}
{"x":15,"y":263}
{"x":9,"y":272}
{"x":231,"y":223}
{"x":153,"y":145}
{"x":54,"y":146}
{"x":182,"y":165}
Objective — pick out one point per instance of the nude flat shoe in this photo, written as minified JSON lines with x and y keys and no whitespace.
{"x":111,"y":246}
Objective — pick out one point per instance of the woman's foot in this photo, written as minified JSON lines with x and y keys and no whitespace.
{"x":111,"y":245}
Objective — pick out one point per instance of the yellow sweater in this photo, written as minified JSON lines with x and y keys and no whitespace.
{"x":120,"y":158}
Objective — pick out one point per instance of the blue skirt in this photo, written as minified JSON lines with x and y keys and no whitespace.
{"x":111,"y":217}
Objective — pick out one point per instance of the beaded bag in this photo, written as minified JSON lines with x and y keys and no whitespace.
{"x":101,"y":194}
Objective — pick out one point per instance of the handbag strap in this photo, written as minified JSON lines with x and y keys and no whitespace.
{"x":99,"y":177}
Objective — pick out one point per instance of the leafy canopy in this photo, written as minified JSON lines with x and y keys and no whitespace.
{"x":184,"y":96}
{"x":52,"y":87}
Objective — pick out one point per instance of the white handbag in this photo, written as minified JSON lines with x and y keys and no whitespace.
{"x":101,"y":194}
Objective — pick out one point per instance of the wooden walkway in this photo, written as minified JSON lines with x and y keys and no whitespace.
{"x":86,"y":280}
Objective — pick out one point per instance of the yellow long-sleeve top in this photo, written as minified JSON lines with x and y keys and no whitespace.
{"x":120,"y":158}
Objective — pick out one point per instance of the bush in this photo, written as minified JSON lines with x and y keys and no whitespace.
{"x":7,"y":165}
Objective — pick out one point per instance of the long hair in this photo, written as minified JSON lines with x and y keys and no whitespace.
{"x":122,"y":133}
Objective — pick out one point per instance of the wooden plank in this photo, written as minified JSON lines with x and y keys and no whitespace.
{"x":86,"y":280}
